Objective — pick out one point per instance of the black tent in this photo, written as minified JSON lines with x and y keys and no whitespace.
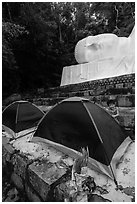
{"x":77,"y":122}
{"x":21,"y":115}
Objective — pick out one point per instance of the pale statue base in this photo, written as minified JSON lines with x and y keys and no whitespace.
{"x":97,"y":70}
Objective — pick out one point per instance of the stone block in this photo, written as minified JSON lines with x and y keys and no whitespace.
{"x":126,"y":101}
{"x":119,"y":85}
{"x":31,"y":194}
{"x":60,"y":193}
{"x":86,"y":93}
{"x":65,"y":192}
{"x":20,"y":164}
{"x":129,"y":121}
{"x":107,"y":86}
{"x":43,"y":176}
{"x":129,"y":85}
{"x":127,"y":115}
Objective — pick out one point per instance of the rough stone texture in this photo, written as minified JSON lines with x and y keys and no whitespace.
{"x":123,"y":84}
{"x":67,"y":192}
{"x":12,"y":195}
{"x":129,"y":191}
{"x":31,"y":194}
{"x":122,"y":87}
{"x":128,"y":115}
{"x":17,"y":180}
{"x":125,"y":100}
{"x":7,"y":152}
{"x":20,"y":165}
{"x":39,"y":175}
{"x":97,"y":198}
{"x":43,"y":175}
{"x":62,"y":190}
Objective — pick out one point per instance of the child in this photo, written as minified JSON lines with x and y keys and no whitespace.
{"x":112,"y":109}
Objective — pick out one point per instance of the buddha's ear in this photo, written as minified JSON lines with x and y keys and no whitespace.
{"x":94,"y":46}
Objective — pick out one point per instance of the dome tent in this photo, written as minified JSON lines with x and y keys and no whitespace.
{"x":77,"y":122}
{"x":19,"y":116}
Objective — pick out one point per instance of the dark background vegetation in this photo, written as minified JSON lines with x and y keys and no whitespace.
{"x":38,"y":39}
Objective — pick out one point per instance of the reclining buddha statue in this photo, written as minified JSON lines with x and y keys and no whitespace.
{"x":101,"y":56}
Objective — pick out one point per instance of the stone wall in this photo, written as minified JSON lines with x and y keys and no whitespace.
{"x":121,"y":87}
{"x":35,"y":178}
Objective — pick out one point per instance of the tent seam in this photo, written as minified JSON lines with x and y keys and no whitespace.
{"x":93,"y":122}
{"x":44,"y":117}
{"x":100,"y":139}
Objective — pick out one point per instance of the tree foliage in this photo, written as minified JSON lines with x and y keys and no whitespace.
{"x":38,"y":39}
{"x":10,"y":32}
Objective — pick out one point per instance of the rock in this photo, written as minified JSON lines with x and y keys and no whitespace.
{"x":89,"y":184}
{"x":17,"y":180}
{"x":97,"y":198}
{"x":20,"y":165}
{"x":12,"y":195}
{"x":101,"y":190}
{"x":129,"y":191}
{"x":31,"y":194}
{"x":61,"y":193}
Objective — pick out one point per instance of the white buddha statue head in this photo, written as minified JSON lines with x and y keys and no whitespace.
{"x":103,"y":47}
